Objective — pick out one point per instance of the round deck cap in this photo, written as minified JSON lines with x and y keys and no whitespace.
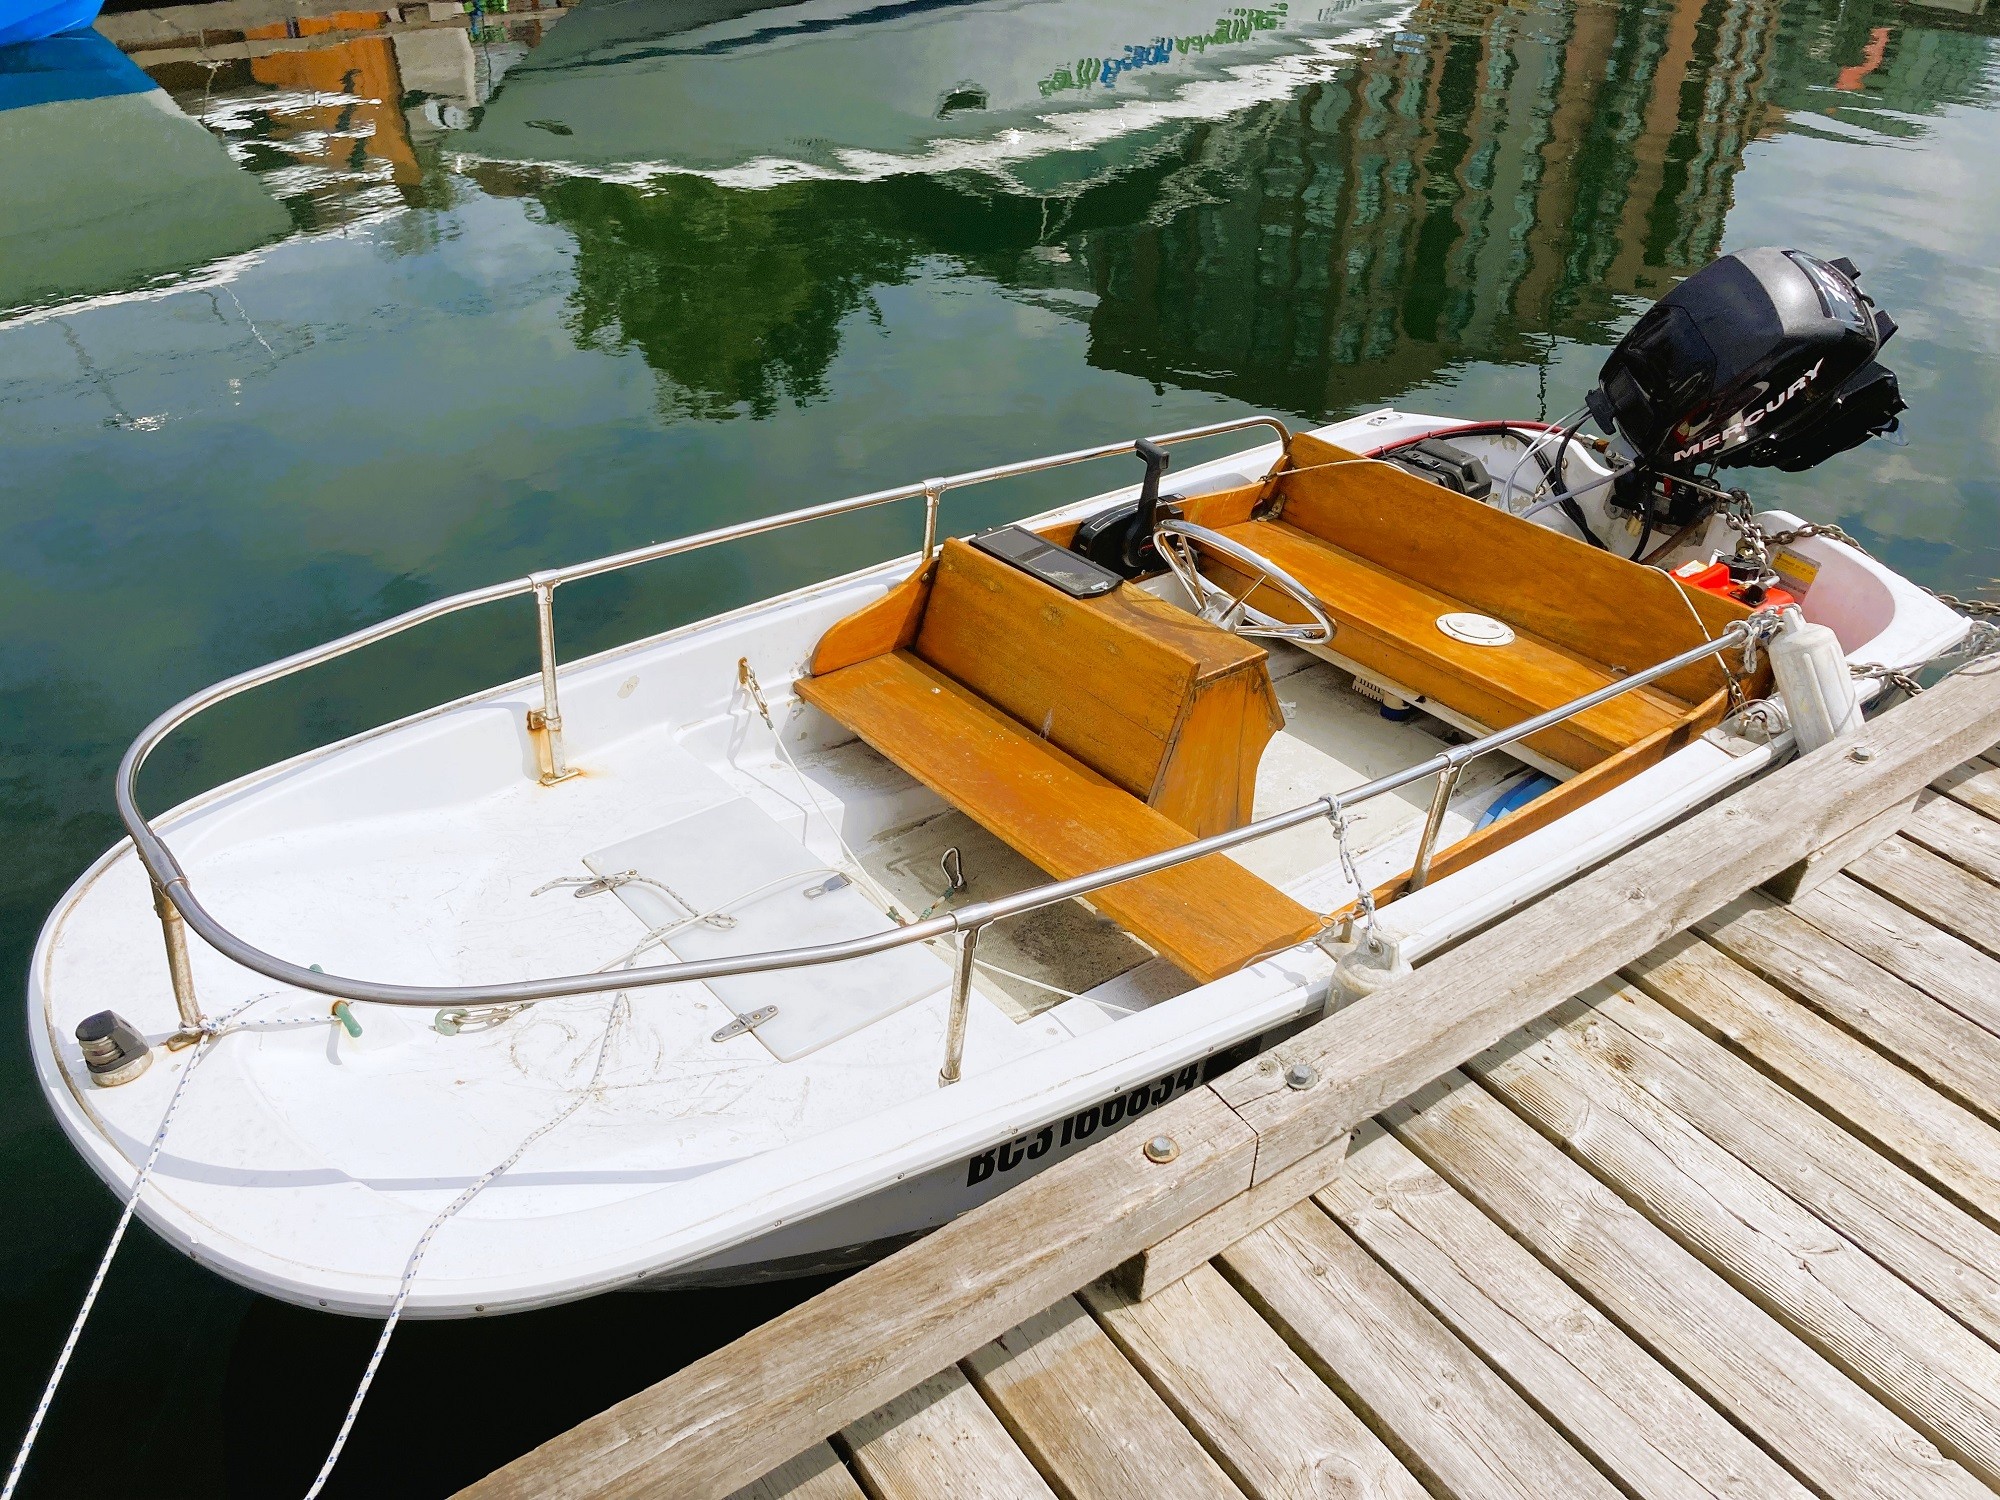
{"x":1476,"y":630}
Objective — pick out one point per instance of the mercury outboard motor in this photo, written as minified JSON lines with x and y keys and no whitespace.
{"x":1763,"y":358}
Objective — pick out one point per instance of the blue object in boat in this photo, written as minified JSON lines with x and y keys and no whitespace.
{"x":75,"y":65}
{"x":31,"y":20}
{"x":1517,"y":796}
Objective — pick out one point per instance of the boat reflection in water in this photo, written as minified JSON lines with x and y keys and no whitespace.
{"x":339,"y":115}
{"x":864,"y":88}
{"x":170,"y":139}
{"x":1411,"y":207}
{"x":24,"y":21}
{"x":1303,"y":208}
{"x":108,"y":186}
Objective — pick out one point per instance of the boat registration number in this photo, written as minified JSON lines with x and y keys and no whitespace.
{"x":1081,"y":1126}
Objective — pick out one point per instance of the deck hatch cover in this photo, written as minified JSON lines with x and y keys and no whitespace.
{"x":719,"y":854}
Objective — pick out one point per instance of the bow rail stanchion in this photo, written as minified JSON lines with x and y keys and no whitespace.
{"x":178,"y":969}
{"x":545,"y":723}
{"x":961,"y":1004}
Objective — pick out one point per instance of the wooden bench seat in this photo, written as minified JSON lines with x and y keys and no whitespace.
{"x":1389,"y":623}
{"x":1210,"y":916}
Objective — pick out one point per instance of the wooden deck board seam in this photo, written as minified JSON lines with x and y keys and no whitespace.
{"x":1654,"y":1434}
{"x":1912,"y":1230}
{"x":1797,"y":1406}
{"x":1851,"y":991}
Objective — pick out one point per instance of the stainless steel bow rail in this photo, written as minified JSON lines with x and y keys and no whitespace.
{"x":179,"y":908}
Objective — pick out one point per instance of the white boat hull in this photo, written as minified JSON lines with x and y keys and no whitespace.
{"x":306,"y":1162}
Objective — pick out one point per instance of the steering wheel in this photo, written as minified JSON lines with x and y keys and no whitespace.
{"x":1177,"y":540}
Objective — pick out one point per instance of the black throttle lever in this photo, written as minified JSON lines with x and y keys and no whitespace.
{"x":1121,"y":538}
{"x":1138,"y":548}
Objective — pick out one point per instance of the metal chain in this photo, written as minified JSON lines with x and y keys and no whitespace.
{"x":1978,"y":609}
{"x":1979,"y":642}
{"x":1757,"y":542}
{"x":1337,"y":816}
{"x":1892,"y":676}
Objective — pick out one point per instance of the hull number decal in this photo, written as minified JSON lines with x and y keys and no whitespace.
{"x":1080,"y":1126}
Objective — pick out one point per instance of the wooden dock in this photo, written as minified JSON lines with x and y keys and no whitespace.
{"x":1664,"y":1187}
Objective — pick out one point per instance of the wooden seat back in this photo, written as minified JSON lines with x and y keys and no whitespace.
{"x":1169,"y":707}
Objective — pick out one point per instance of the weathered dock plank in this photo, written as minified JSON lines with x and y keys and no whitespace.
{"x":1850,"y":1307}
{"x":1253,"y":1402}
{"x":1085,"y":1417}
{"x":940,"y":1439}
{"x":816,"y":1474}
{"x":1975,"y":782}
{"x":1935,"y":890}
{"x":1950,"y":971}
{"x":1938,"y":1248}
{"x":1957,"y":832}
{"x":1824,"y":1427}
{"x":1820,"y":866}
{"x":1438,"y":1405}
{"x":1938,"y":1044}
{"x":1845,"y":1079}
{"x":1608,"y":1396}
{"x":1197,"y":1243}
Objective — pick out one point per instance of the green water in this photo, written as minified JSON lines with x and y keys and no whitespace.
{"x":425,"y":369}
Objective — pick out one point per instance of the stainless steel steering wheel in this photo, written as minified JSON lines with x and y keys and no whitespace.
{"x":1177,"y":541}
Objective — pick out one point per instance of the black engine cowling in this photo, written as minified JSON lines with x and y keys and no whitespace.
{"x":1763,"y":358}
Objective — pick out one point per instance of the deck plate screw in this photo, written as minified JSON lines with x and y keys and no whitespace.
{"x":1300,"y":1076}
{"x":1861,"y":754}
{"x":1162,"y":1149}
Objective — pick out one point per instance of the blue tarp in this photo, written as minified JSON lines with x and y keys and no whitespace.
{"x":32,"y":20}
{"x":76,"y":65}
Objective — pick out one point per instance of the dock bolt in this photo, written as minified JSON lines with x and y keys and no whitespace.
{"x":1300,"y":1076}
{"x":1162,"y":1149}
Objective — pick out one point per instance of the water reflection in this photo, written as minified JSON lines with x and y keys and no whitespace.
{"x":736,"y":299}
{"x":1472,"y":182}
{"x":1482,"y":181}
{"x":1490,"y":177}
{"x":867,"y":87}
{"x":337,"y":115}
{"x":313,"y":124}
{"x":105,"y":185}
